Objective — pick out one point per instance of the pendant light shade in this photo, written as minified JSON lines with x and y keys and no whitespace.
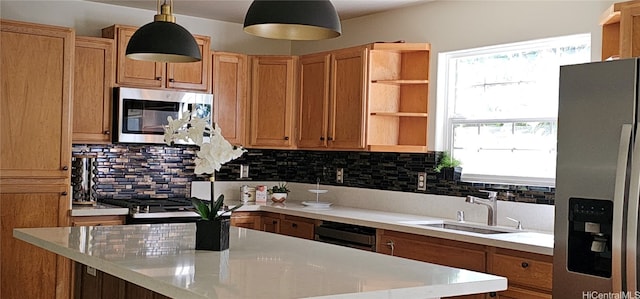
{"x":293,"y":20}
{"x":163,"y":40}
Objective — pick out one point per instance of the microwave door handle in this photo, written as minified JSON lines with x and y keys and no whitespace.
{"x":632,"y":218}
{"x":618,"y":208}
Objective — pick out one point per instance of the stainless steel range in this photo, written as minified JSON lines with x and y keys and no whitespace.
{"x":170,"y":210}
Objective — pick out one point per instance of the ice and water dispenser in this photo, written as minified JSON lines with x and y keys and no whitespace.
{"x":590,"y":229}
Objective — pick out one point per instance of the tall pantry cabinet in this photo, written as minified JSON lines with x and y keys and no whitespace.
{"x":36,"y":71}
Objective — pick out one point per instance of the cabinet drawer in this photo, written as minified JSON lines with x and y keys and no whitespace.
{"x":297,"y":228}
{"x":517,"y":293}
{"x":526,"y":271}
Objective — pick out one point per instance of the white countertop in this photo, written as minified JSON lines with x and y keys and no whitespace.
{"x":98,"y":210}
{"x":161,"y":258}
{"x":529,"y":241}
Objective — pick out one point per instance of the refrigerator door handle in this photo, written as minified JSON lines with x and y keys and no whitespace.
{"x":632,"y":218}
{"x":618,"y":208}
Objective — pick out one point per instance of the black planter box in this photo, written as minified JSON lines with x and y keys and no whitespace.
{"x":213,"y":234}
{"x":451,"y":173}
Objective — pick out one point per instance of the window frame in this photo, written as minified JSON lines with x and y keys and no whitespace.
{"x":446,"y":126}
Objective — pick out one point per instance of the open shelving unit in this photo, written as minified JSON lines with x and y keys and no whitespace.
{"x":398,"y":97}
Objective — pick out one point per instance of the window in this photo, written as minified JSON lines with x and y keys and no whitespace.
{"x":502,"y":106}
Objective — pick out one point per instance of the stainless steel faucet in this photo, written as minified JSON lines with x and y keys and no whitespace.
{"x":491,"y":203}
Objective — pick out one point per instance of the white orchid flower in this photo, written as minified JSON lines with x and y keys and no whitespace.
{"x":213,"y":154}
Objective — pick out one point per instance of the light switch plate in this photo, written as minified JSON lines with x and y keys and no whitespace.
{"x":244,"y":171}
{"x":339,"y":175}
{"x":422,"y":181}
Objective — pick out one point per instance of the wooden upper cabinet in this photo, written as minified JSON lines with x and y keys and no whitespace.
{"x":347,"y":104}
{"x":93,"y":83}
{"x":129,"y":72}
{"x":314,"y":71}
{"x":36,"y":67}
{"x":229,"y":85}
{"x":272,"y":101}
{"x":192,"y":75}
{"x":621,"y":30}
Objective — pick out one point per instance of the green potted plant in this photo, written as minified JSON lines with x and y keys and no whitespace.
{"x":448,"y":167}
{"x":212,"y":230}
{"x":279,"y":192}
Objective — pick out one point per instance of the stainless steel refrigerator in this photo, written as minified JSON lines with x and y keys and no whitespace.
{"x":597,"y":181}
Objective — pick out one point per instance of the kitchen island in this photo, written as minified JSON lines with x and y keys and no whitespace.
{"x":161,"y":258}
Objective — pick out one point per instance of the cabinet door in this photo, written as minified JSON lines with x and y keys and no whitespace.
{"x":193,"y":75}
{"x":249,"y":220}
{"x":230,"y":94}
{"x":522,"y":268}
{"x":313,"y":100}
{"x":36,"y":67}
{"x":26,"y":270}
{"x":517,"y":293}
{"x":630,"y":31}
{"x":97,"y":220}
{"x":348,"y":92}
{"x":432,"y":250}
{"x":93,"y":82}
{"x":272,"y":100}
{"x":131,"y":72}
{"x":297,"y":227}
{"x":270,"y":224}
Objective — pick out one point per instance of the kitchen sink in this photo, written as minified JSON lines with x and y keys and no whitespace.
{"x":465,"y":227}
{"x":471,"y":229}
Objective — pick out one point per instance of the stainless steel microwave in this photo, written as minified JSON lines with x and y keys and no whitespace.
{"x":141,"y":114}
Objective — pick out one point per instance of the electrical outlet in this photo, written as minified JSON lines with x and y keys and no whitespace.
{"x":244,"y":171}
{"x":339,"y":175}
{"x":422,"y":181}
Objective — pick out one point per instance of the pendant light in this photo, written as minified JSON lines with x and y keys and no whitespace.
{"x":293,"y":19}
{"x":163,"y":40}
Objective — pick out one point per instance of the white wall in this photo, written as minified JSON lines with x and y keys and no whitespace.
{"x":88,"y":18}
{"x":455,"y":25}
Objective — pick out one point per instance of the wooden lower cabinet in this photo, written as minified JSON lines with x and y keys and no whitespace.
{"x":433,"y":250}
{"x":276,"y":223}
{"x":270,"y":223}
{"x":529,"y":274}
{"x":97,"y":220}
{"x":249,"y":220}
{"x":26,"y":270}
{"x":94,"y":284}
{"x":297,"y":227}
{"x":518,"y":293}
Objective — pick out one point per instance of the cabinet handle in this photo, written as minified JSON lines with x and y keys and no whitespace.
{"x":392,"y":245}
{"x":64,"y":193}
{"x":275,"y":222}
{"x":286,"y":137}
{"x":524,"y":264}
{"x":158,"y":78}
{"x":65,"y":168}
{"x":107,"y":132}
{"x":329,"y":138}
{"x":322,"y":138}
{"x":294,"y":225}
{"x":171,"y":80}
{"x":493,"y":294}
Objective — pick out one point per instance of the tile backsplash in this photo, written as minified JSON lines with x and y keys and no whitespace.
{"x":158,"y":171}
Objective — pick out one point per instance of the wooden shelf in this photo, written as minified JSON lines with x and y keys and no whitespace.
{"x":401,"y":114}
{"x":401,"y":47}
{"x":397,"y":148}
{"x":400,"y":82}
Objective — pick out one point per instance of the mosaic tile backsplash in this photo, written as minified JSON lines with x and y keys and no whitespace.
{"x":157,"y":171}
